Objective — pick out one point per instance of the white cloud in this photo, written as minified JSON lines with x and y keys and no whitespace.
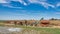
{"x":8,"y":5}
{"x":18,"y":0}
{"x":21,"y":1}
{"x":57,"y":13}
{"x":25,"y":3}
{"x":43,"y":3}
{"x":47,"y":5}
{"x":37,"y":1}
{"x":33,"y":1}
{"x":58,"y":4}
{"x":3,"y":1}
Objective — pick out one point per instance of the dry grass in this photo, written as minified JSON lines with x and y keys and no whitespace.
{"x":55,"y":22}
{"x":39,"y":30}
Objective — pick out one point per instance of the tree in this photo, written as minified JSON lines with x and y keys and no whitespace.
{"x":42,"y":18}
{"x":52,"y":19}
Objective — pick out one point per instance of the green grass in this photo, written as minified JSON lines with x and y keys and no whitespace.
{"x":41,"y":30}
{"x":44,"y":30}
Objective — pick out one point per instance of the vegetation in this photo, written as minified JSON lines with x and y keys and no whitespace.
{"x":36,"y":30}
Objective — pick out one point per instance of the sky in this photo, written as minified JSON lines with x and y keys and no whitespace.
{"x":29,"y":9}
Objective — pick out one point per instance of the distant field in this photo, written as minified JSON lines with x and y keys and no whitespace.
{"x":37,"y":30}
{"x":55,"y":22}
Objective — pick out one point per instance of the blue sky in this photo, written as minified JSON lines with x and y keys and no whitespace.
{"x":29,"y":9}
